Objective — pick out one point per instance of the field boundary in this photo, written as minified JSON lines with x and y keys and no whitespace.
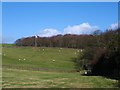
{"x":35,"y":68}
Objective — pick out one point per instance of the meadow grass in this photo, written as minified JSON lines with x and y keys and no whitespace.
{"x":41,"y":57}
{"x":7,"y":45}
{"x":13,"y":78}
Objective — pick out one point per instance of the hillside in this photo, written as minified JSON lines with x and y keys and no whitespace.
{"x":48,"y":58}
{"x":29,"y":67}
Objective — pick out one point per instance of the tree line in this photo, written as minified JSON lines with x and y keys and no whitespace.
{"x":67,"y":41}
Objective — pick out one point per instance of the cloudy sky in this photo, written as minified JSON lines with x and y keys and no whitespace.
{"x":47,"y":19}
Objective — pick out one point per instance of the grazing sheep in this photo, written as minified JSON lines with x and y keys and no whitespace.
{"x":75,"y":53}
{"x":77,"y":50}
{"x":59,"y":51}
{"x":53,"y":60}
{"x":81,"y":50}
{"x":85,"y":73}
{"x":43,"y":49}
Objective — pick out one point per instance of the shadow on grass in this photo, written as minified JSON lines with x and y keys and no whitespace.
{"x":117,"y":78}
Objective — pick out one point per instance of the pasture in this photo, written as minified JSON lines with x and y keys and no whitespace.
{"x":30,"y":67}
{"x":50,"y":58}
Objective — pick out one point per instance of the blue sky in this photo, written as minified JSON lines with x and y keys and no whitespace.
{"x":22,"y":19}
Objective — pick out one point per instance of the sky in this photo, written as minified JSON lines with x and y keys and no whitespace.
{"x":45,"y":19}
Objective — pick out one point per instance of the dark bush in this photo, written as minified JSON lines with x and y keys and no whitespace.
{"x":103,"y":59}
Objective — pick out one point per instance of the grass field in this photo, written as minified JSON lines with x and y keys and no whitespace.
{"x":14,"y":78}
{"x":50,"y":68}
{"x":7,"y":45}
{"x":51,"y":58}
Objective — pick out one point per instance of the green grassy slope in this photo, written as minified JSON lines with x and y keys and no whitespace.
{"x":52,"y":58}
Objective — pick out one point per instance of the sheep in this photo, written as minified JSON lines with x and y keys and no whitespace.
{"x":53,"y":60}
{"x":60,"y":48}
{"x":77,"y":50}
{"x":43,"y":49}
{"x":81,"y":50}
{"x":85,"y":73}
{"x":59,"y":51}
{"x":75,"y":53}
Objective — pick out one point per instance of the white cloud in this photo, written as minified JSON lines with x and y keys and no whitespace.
{"x":49,"y":32}
{"x":113,"y":26}
{"x":84,"y":28}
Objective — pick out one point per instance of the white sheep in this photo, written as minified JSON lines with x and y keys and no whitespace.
{"x":75,"y":53}
{"x":60,"y":48}
{"x":81,"y":50}
{"x":85,"y":72}
{"x":53,"y":60}
{"x":59,"y":51}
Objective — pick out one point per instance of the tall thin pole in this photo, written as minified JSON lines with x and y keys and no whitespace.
{"x":35,"y":40}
